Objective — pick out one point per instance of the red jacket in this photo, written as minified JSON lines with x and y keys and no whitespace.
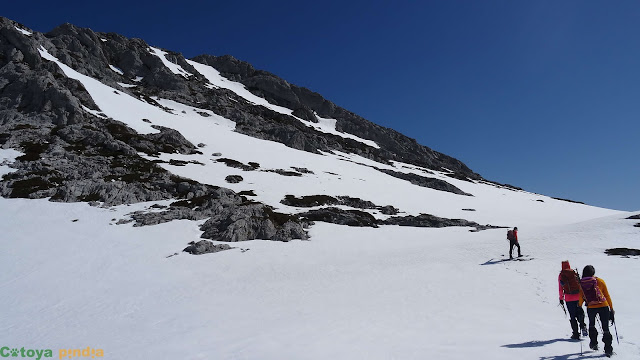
{"x":567,"y":297}
{"x":563,"y":296}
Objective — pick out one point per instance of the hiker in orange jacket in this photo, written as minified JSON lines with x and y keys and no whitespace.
{"x":599,"y":303}
{"x":570,"y":292}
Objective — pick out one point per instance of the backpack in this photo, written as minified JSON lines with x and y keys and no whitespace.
{"x":510,"y":235}
{"x":591,"y":292}
{"x":570,"y":281}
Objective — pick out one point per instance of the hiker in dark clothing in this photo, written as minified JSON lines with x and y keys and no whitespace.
{"x":512,"y":236}
{"x":599,"y":304}
{"x":570,"y":292}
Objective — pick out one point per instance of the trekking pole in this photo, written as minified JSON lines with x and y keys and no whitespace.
{"x":563,"y":309}
{"x":580,"y":347}
{"x":616,"y":329}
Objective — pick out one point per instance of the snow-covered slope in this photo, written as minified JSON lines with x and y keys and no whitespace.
{"x":71,"y":279}
{"x":331,"y":174}
{"x":74,"y":275}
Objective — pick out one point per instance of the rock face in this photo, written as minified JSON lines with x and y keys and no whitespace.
{"x":252,"y":221}
{"x":205,"y":247}
{"x":74,"y":153}
{"x":341,"y":217}
{"x":626,"y":252}
{"x":393,"y":145}
{"x":426,"y":220}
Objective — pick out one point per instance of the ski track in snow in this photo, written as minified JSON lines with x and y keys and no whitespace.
{"x":71,"y":278}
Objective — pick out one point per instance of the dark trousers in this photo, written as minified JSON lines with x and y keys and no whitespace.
{"x":513,"y":243}
{"x":576,"y":316}
{"x":607,"y":339}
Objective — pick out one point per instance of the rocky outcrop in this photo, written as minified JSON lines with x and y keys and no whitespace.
{"x":230,"y":218}
{"x":322,"y":200}
{"x":364,"y":219}
{"x":342,"y":217}
{"x":233,"y":179}
{"x":423,"y":181}
{"x":626,"y":252}
{"x":205,"y":247}
{"x":251,"y":221}
{"x":426,"y":220}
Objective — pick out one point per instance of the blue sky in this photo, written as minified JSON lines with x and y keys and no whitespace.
{"x":544,"y":95}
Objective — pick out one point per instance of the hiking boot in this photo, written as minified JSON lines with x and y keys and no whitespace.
{"x":575,"y":336}
{"x":584,"y":331}
{"x":593,"y":346}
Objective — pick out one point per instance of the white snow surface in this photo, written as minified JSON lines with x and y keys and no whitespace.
{"x":175,"y":68}
{"x":116,"y":69}
{"x":72,"y":278}
{"x":23,"y":31}
{"x":125,"y":85}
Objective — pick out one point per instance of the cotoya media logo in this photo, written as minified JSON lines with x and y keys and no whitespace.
{"x":7,"y":352}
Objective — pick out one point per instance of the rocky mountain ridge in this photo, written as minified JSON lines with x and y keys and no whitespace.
{"x":75,"y":153}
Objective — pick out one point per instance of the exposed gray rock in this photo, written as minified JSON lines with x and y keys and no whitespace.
{"x":423,"y":181}
{"x":302,"y":170}
{"x":634,"y":217}
{"x":388,"y":210}
{"x":305,"y":113}
{"x":283,"y":172}
{"x":309,"y":201}
{"x":426,"y":220}
{"x":626,"y":252}
{"x":356,"y":202}
{"x":341,"y":217}
{"x":238,"y":165}
{"x":233,"y":179}
{"x":322,"y":200}
{"x":206,"y":247}
{"x":252,"y":221}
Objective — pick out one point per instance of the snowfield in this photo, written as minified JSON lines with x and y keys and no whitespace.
{"x":71,"y":277}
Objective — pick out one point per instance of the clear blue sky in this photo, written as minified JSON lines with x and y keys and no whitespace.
{"x":544,"y":95}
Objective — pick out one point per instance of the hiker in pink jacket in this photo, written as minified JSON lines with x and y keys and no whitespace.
{"x":571,"y":293}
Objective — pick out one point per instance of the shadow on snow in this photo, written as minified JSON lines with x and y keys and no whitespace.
{"x":494,"y":261}
{"x":587,"y":354}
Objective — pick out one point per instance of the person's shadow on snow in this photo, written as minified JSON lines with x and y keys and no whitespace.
{"x":587,"y":354}
{"x":537,"y":343}
{"x":494,"y":261}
